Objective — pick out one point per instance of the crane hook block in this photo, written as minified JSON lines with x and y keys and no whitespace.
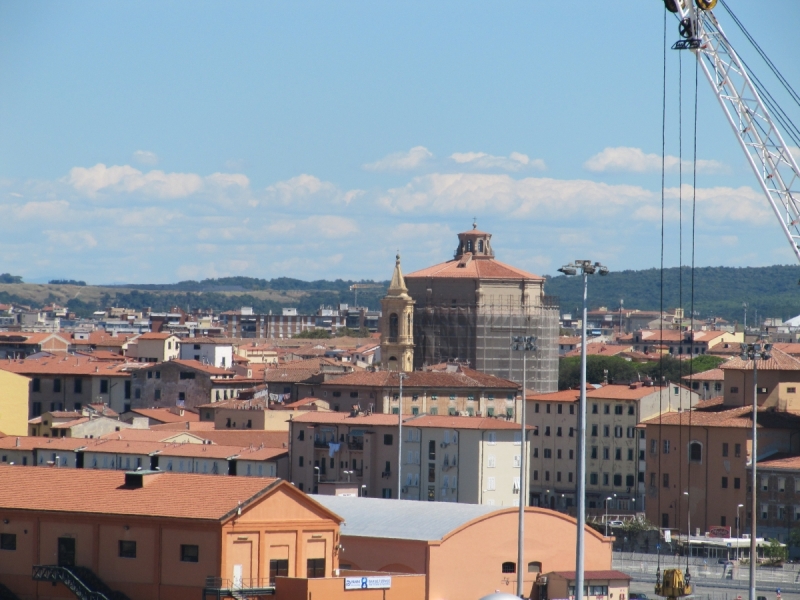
{"x":672,"y":5}
{"x":705,"y":4}
{"x":673,"y":585}
{"x":685,"y":29}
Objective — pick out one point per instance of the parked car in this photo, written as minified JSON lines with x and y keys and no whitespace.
{"x":615,"y":523}
{"x":637,"y":596}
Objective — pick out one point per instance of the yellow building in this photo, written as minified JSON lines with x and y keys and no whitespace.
{"x":13,"y":403}
{"x":397,"y":325}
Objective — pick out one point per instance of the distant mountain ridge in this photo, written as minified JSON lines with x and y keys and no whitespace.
{"x":718,"y":291}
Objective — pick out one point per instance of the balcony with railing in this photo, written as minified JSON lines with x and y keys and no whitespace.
{"x":219,"y":588}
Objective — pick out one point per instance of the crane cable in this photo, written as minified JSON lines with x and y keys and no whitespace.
{"x":661,"y":290}
{"x":680,"y":272}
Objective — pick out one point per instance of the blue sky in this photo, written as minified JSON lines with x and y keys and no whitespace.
{"x":157,"y":141}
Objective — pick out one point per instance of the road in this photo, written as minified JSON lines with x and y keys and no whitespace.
{"x":703,"y":592}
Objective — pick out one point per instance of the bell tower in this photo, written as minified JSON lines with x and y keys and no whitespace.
{"x":397,"y":325}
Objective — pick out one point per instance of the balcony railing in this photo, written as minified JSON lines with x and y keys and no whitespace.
{"x":355,"y":444}
{"x":219,"y":587}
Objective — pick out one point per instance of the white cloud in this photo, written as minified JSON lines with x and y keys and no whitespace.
{"x":634,"y":160}
{"x":71,"y":240}
{"x":513,"y":162}
{"x":53,"y":209}
{"x":126,"y":179}
{"x":145,"y":157}
{"x":315,"y":226}
{"x":229,"y":180}
{"x":300,"y":187}
{"x":401,"y":161}
{"x":539,"y":197}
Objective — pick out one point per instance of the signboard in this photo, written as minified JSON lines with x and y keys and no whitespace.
{"x":719,"y":532}
{"x":368,"y":583}
{"x":667,"y":536}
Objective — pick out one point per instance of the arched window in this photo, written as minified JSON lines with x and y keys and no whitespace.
{"x":393,"y":326}
{"x":469,"y":246}
{"x":480,"y":245}
{"x":695,"y":452}
{"x":509,"y":567}
{"x":408,"y":325}
{"x":534,"y":567}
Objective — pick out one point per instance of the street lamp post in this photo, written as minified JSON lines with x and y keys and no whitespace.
{"x":363,"y":491}
{"x":688,"y":524}
{"x":754,"y":352}
{"x":522,"y":344}
{"x":606,"y":519}
{"x":400,"y":439}
{"x":738,"y":506}
{"x":348,"y":473}
{"x":318,"y":473}
{"x":586,"y":267}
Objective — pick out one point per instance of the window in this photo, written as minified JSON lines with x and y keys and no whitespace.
{"x":606,"y":431}
{"x":629,"y":480}
{"x":547,"y":408}
{"x":299,"y":461}
{"x":569,"y":477}
{"x":490,"y":484}
{"x":618,"y":431}
{"x":571,"y":430}
{"x":618,"y":454}
{"x":558,"y":429}
{"x":571,"y":409}
{"x":315,"y":567}
{"x":509,"y":567}
{"x":388,"y":439}
{"x":183,"y":375}
{"x":594,"y":430}
{"x":535,"y":453}
{"x":158,"y":375}
{"x":630,"y":453}
{"x":493,"y":438}
{"x":432,"y":450}
{"x":536,"y":475}
{"x":734,"y":390}
{"x":605,"y":478}
{"x":695,"y":452}
{"x":386,"y":493}
{"x":724,"y":483}
{"x":781,"y":484}
{"x":605,"y":453}
{"x":594,"y":409}
{"x":104,"y":386}
{"x":762,"y":390}
{"x":765,"y":484}
{"x":666,"y":480}
{"x":571,"y":454}
{"x":548,"y":453}
{"x":190,"y":553}
{"x":547,"y":475}
{"x":8,"y":541}
{"x":593,"y":478}
{"x":157,"y":394}
{"x":791,"y":390}
{"x":737,"y":483}
{"x":618,"y":409}
{"x":631,"y":410}
{"x":127,"y":549}
{"x":431,"y":472}
{"x":631,"y":432}
{"x":536,"y":407}
{"x":56,"y":385}
{"x":666,"y":446}
{"x":724,"y":449}
{"x":278,"y":568}
{"x":617,"y":479}
{"x":737,"y":450}
{"x":37,"y":384}
{"x":547,"y":430}
{"x":594,"y":452}
{"x":559,"y":409}
{"x":606,"y":409}
{"x":491,"y":461}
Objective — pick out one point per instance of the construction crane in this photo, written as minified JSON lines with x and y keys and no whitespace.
{"x":755,"y":129}
{"x":362,"y":286}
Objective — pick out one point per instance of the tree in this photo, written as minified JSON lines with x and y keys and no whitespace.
{"x":314,"y":334}
{"x":8,"y":278}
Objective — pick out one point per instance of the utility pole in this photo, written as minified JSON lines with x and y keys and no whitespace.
{"x":402,"y":376}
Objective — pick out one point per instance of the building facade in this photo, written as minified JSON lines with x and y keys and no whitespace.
{"x":469,"y":308}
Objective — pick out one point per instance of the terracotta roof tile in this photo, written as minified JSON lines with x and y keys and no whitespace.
{"x":710,"y":375}
{"x":622,"y":392}
{"x":562,"y":396}
{"x":477,"y":268}
{"x":72,"y":364}
{"x":192,"y":426}
{"x":453,"y":422}
{"x":270,"y":439}
{"x":33,"y":442}
{"x":779,"y":361}
{"x":465,"y":378}
{"x":91,"y":491}
{"x":155,"y":336}
{"x":166,"y":415}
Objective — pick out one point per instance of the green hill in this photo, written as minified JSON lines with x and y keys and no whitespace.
{"x":718,"y":291}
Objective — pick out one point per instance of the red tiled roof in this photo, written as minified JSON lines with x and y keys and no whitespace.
{"x":789,"y":348}
{"x":789,"y":463}
{"x":600,"y":350}
{"x":262,"y":453}
{"x":91,"y":491}
{"x":26,"y":338}
{"x":779,"y":361}
{"x":66,"y":365}
{"x":739,"y":417}
{"x":192,"y":426}
{"x":710,"y":375}
{"x":68,"y":424}
{"x":453,"y":422}
{"x":345,"y":418}
{"x":148,"y":435}
{"x":477,"y":268}
{"x":621,"y":392}
{"x":270,"y":439}
{"x":464,"y":378}
{"x":32,"y":442}
{"x":166,"y":415}
{"x":155,"y":336}
{"x":561,"y":396}
{"x":198,"y":366}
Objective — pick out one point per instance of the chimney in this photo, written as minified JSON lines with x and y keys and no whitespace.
{"x":139,"y":479}
{"x":17,"y":444}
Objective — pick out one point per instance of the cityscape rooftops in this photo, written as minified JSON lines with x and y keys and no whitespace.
{"x":67,"y":365}
{"x":461,"y":377}
{"x":778,"y":361}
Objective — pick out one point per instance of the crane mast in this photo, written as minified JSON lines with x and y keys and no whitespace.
{"x":769,"y":156}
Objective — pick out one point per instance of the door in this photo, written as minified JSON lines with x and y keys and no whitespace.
{"x":237,"y":577}
{"x":241,"y":556}
{"x":66,"y":552}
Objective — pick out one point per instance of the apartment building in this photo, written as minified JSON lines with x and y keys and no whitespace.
{"x":257,"y":413}
{"x":451,"y":389}
{"x":679,"y":342}
{"x":708,"y":384}
{"x":186,"y":383}
{"x":446,"y":459}
{"x":614,"y":464}
{"x":65,"y":382}
{"x":779,"y":369}
{"x":154,"y":347}
{"x":208,"y":351}
{"x":696,"y":461}
{"x":21,"y":344}
{"x":777,"y":498}
{"x":14,"y":391}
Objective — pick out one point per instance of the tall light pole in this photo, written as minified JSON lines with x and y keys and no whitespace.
{"x":754,"y":352}
{"x":400,"y":439}
{"x":606,"y":519}
{"x":738,"y":525}
{"x":586,"y":267}
{"x":688,"y":524}
{"x":522,"y":344}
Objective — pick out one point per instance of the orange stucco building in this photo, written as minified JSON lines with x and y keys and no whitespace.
{"x":467,"y":551}
{"x":154,"y":535}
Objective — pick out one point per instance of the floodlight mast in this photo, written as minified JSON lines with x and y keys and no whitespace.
{"x":770,"y":158}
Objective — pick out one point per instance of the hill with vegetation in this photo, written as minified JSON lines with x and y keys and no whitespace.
{"x":718,"y":291}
